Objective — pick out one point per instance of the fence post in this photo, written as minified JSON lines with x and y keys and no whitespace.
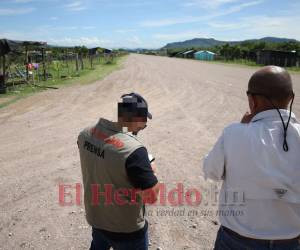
{"x":27,"y":62}
{"x":81,"y":61}
{"x":44,"y":65}
{"x":77,"y":64}
{"x":3,"y":78}
{"x":91,"y":59}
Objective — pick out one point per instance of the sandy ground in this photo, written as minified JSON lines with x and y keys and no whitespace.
{"x":191,"y":102}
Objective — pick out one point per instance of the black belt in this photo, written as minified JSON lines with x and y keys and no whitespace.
{"x":229,"y":231}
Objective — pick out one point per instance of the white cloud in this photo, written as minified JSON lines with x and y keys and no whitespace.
{"x":260,"y":26}
{"x":272,"y":26}
{"x":88,"y":27}
{"x":12,"y":35}
{"x":15,"y":11}
{"x":171,"y":21}
{"x":124,"y":31}
{"x":23,"y":1}
{"x":86,"y":41}
{"x":211,"y":4}
{"x":76,"y":6}
{"x":54,"y":18}
{"x":248,"y":22}
{"x":64,"y":28}
{"x":64,"y":41}
{"x":131,"y":42}
{"x":238,"y":8}
{"x":134,"y":41}
{"x":194,"y":19}
{"x":227,"y":26}
{"x":48,"y":29}
{"x":179,"y":36}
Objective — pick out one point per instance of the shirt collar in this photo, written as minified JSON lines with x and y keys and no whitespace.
{"x":109,"y":125}
{"x":273,"y":114}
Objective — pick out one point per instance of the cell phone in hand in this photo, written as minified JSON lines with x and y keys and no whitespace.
{"x":151,"y":158}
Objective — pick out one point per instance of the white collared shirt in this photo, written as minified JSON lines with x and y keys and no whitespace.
{"x":264,"y":179}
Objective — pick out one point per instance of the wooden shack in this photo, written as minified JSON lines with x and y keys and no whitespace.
{"x":11,"y":46}
{"x":278,"y":58}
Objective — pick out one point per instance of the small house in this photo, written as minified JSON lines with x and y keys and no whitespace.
{"x":179,"y":54}
{"x":189,"y":54}
{"x":278,"y":58}
{"x":204,"y":55}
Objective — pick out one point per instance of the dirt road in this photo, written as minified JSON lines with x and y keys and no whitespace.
{"x":191,"y":102}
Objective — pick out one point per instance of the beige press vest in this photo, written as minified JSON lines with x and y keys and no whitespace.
{"x":103,"y":152}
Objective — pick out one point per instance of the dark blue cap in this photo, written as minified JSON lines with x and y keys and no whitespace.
{"x":138,"y":99}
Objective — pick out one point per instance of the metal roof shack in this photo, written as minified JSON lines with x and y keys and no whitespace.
{"x":276,"y":57}
{"x":13,"y":46}
{"x":189,"y":53}
{"x":7,"y":46}
{"x":186,"y":54}
{"x":204,"y":55}
{"x":180,"y":54}
{"x":99,"y":50}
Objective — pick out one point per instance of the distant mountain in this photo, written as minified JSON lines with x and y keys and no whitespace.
{"x":210,"y":42}
{"x":196,"y":42}
{"x":274,"y":40}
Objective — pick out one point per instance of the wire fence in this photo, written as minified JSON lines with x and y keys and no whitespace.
{"x":53,"y":68}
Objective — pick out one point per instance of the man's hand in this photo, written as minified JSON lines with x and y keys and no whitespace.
{"x":150,"y":196}
{"x":153,"y":166}
{"x":247,"y":117}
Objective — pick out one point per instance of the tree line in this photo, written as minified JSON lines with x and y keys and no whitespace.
{"x":245,"y":50}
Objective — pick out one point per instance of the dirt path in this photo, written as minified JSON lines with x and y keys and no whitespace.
{"x":191,"y":103}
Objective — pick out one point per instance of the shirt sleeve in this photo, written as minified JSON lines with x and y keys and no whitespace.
{"x":139,"y":170}
{"x":214,"y":162}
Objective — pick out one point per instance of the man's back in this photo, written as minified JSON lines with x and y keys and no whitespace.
{"x":103,"y":153}
{"x":251,"y":160}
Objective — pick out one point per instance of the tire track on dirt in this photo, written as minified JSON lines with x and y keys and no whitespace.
{"x":191,"y":103}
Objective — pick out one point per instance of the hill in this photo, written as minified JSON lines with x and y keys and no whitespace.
{"x":210,"y":42}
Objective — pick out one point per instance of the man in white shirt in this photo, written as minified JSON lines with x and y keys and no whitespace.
{"x":258,"y":161}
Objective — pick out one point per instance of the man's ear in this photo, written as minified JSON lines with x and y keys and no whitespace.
{"x":252,"y":104}
{"x":291,"y":98}
{"x":258,"y":102}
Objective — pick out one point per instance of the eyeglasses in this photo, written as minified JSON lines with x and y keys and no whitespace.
{"x":253,"y":93}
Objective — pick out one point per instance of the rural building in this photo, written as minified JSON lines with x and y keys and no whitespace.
{"x":186,"y":54}
{"x":278,"y":58}
{"x":98,"y":50}
{"x":94,"y":51}
{"x":205,"y":55}
{"x":189,"y":53}
{"x":12,"y":46}
{"x":107,"y":51}
{"x":180,"y":54}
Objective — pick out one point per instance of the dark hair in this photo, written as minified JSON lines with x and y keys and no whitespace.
{"x":129,"y":111}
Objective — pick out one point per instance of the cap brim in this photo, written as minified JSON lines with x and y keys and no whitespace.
{"x":149,"y":115}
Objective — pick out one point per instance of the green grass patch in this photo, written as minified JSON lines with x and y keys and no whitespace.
{"x":294,"y":69}
{"x":249,"y":63}
{"x":86,"y":76}
{"x":240,"y":62}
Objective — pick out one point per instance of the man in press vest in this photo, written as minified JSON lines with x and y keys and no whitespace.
{"x":118,"y":177}
{"x":258,"y":161}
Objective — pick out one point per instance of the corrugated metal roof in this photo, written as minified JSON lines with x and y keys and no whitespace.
{"x":205,"y":51}
{"x":189,"y":51}
{"x":7,"y":46}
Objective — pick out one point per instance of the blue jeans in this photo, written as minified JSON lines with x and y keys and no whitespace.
{"x":103,"y":242}
{"x":228,"y":241}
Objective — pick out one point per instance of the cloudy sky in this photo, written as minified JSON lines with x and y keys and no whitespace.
{"x":146,"y":23}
